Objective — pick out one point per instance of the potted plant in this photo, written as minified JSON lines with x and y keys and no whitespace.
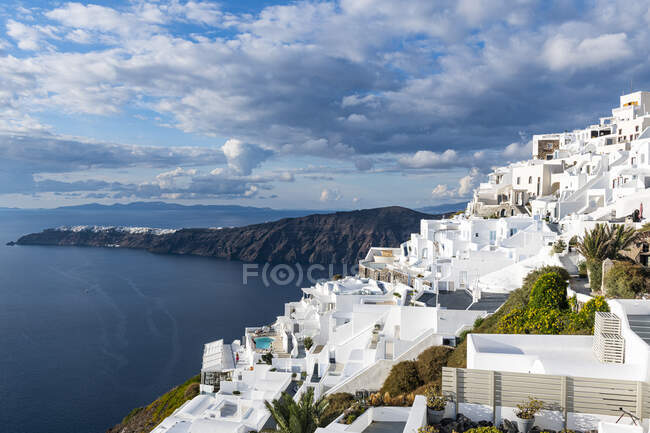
{"x":526,"y":414}
{"x":436,"y":404}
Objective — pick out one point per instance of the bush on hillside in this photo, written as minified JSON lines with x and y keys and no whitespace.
{"x":585,"y":318}
{"x":402,"y":379}
{"x":533,"y":321}
{"x":430,"y":362}
{"x":532,"y":276}
{"x":336,"y":404}
{"x":595,"y":272}
{"x":626,"y":280}
{"x":192,"y":390}
{"x":549,"y":292}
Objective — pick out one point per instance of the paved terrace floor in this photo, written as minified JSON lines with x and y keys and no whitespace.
{"x":385,"y":427}
{"x":640,"y":323}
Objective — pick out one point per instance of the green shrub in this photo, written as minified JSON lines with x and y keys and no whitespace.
{"x":529,"y":409}
{"x":131,"y":414}
{"x":549,"y":292}
{"x":430,"y":362}
{"x":308,"y":342}
{"x":463,"y":335}
{"x":595,"y":272}
{"x":585,"y":318}
{"x":402,"y":379}
{"x":478,"y":322}
{"x":337,"y":404}
{"x":533,"y":276}
{"x":626,"y":280}
{"x":268,"y":358}
{"x":490,"y":429}
{"x":435,"y":399}
{"x":192,"y":390}
{"x":534,"y":321}
{"x":582,"y":269}
{"x":352,"y":413}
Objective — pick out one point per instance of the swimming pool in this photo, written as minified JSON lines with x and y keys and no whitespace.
{"x":263,"y":342}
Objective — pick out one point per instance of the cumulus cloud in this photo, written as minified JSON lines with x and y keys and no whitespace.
{"x":456,"y":76}
{"x":466,"y":185}
{"x":242,"y":157}
{"x":563,"y":52}
{"x":469,"y":182}
{"x":429,"y":159}
{"x":330,"y":194}
{"x":431,"y":86}
{"x":442,"y":190}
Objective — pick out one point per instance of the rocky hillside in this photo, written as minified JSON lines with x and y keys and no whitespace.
{"x":341,"y":237}
{"x":144,"y":419}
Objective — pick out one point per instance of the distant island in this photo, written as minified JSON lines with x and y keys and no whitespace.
{"x":340,"y":237}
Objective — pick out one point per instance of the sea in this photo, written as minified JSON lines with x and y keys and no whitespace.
{"x":87,"y":334}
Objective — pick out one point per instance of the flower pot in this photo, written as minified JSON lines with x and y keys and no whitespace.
{"x":524,"y":425}
{"x":434,"y":416}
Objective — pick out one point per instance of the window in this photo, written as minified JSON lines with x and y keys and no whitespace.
{"x":476,"y":234}
{"x":636,"y":128}
{"x":530,"y":179}
{"x":518,"y":180}
{"x":513,"y":231}
{"x":645,"y":248}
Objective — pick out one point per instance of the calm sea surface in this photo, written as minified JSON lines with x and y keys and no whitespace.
{"x":87,"y":334}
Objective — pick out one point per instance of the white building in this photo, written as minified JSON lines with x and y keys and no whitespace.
{"x":604,"y":364}
{"x":345,"y":335}
{"x":465,"y":253}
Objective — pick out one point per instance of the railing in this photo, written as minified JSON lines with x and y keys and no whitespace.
{"x":565,"y":394}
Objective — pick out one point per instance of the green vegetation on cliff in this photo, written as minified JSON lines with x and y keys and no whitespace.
{"x":145,"y":419}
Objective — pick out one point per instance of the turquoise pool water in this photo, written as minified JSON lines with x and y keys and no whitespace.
{"x":263,"y":342}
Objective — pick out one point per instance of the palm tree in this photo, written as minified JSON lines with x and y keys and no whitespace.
{"x":605,"y":241}
{"x":594,"y":244}
{"x":301,"y":417}
{"x":620,"y":238}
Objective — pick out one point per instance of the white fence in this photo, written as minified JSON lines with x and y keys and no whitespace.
{"x":568,"y":401}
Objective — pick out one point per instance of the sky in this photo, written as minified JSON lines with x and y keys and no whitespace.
{"x":308,"y":104}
